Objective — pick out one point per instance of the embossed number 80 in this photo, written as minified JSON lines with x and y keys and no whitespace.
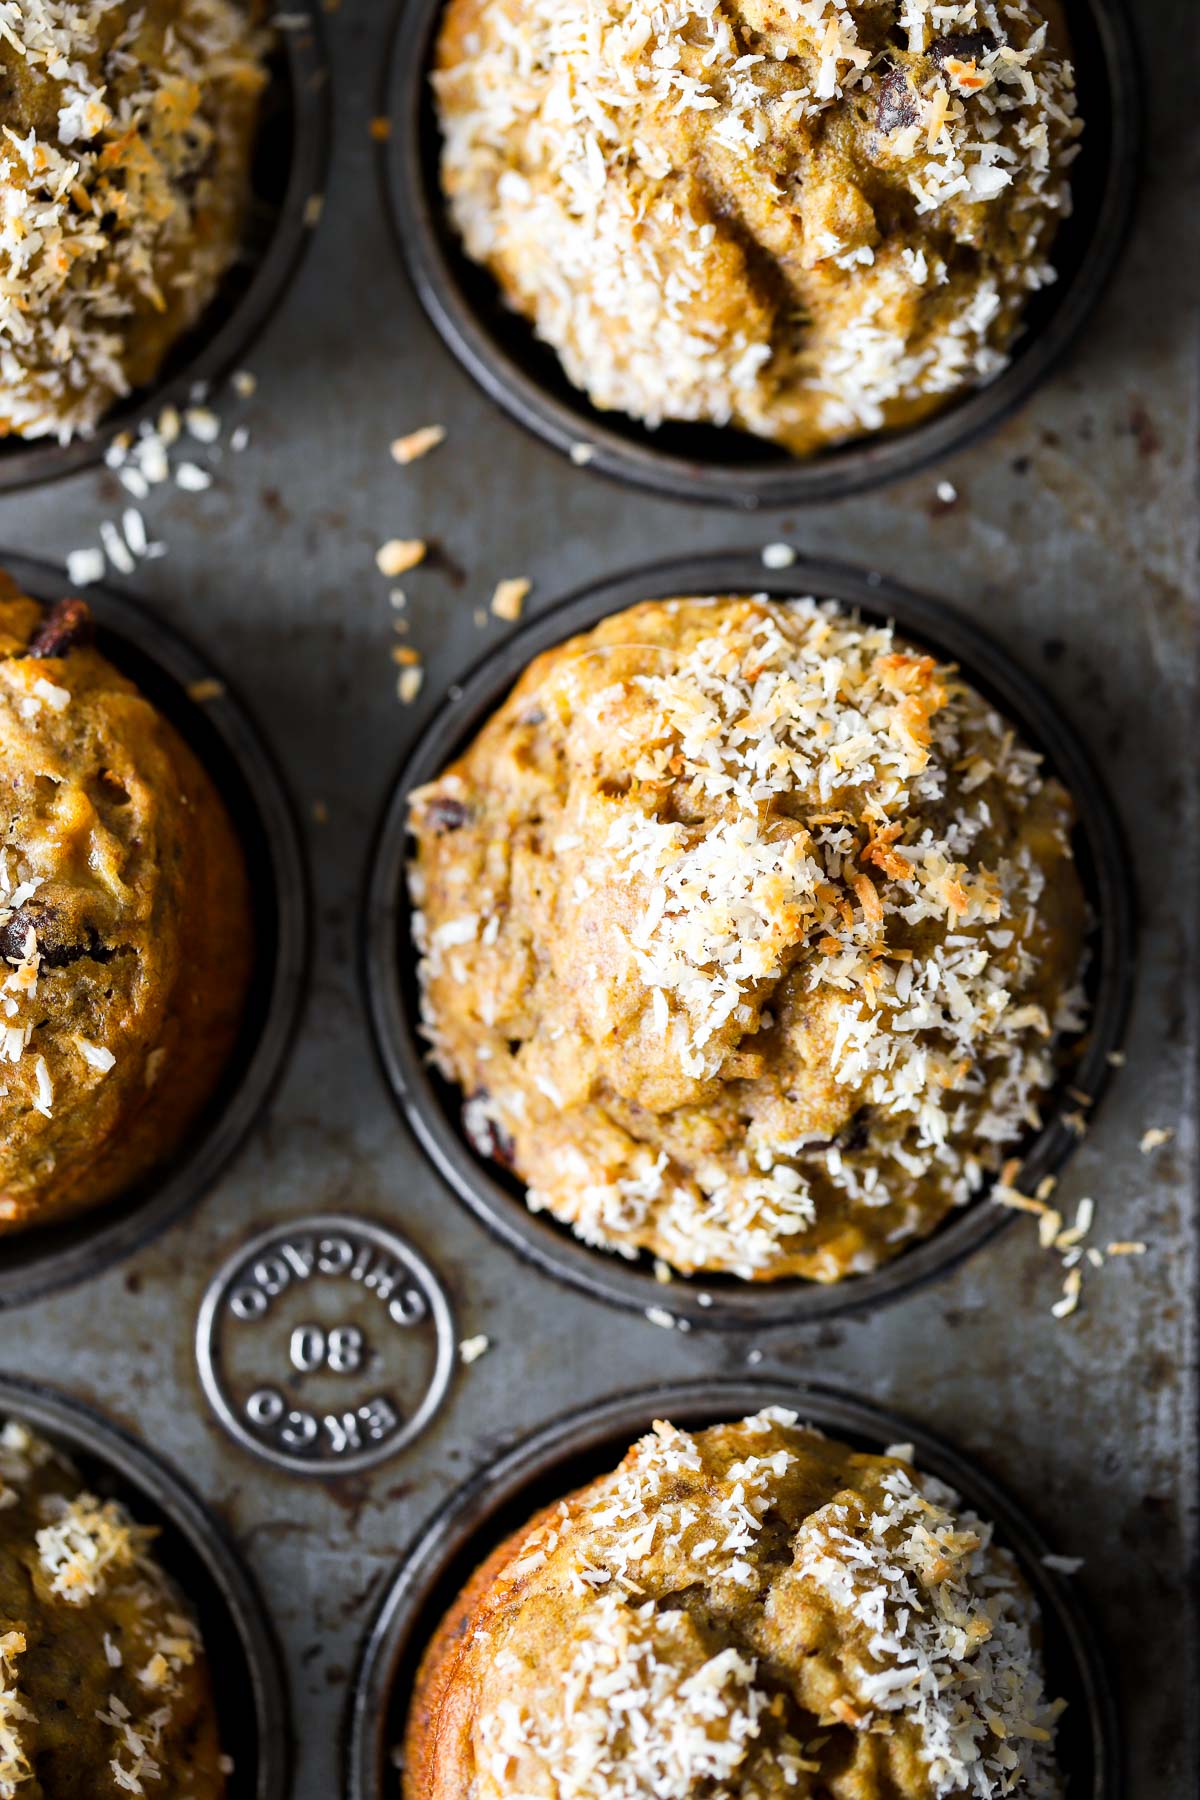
{"x":340,"y":1350}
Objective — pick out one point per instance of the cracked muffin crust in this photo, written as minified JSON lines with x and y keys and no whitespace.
{"x":746,"y":932}
{"x":104,"y":1686}
{"x":750,"y":1612}
{"x":811,"y":219}
{"x":125,"y":923}
{"x":124,"y":181}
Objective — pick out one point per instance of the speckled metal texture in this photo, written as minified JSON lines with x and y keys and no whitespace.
{"x":1071,"y":534}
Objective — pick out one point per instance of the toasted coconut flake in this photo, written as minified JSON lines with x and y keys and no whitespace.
{"x":410,"y":449}
{"x":399,"y":555}
{"x":509,"y":598}
{"x":409,"y":684}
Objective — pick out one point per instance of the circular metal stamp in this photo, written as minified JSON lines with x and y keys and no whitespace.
{"x":325,"y":1345}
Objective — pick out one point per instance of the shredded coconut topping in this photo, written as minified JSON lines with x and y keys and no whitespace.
{"x":91,"y":1598}
{"x":760,"y":939}
{"x":119,"y":197}
{"x":747,"y":1610}
{"x":659,"y":188}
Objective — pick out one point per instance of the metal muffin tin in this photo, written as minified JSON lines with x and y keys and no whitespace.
{"x":574,"y":1450}
{"x":698,"y":462}
{"x":433,"y":1107}
{"x":286,"y":176}
{"x":248,"y":1686}
{"x":1068,"y":536}
{"x":221,"y":733}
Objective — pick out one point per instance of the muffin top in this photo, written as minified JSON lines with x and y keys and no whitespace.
{"x":812,"y":219}
{"x":746,"y":930}
{"x":123,"y":180}
{"x":104,"y":1687}
{"x":750,"y":1612}
{"x":124,"y":921}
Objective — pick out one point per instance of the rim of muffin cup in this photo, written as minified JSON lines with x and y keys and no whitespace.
{"x":222,"y":734}
{"x":722,"y":465}
{"x":249,"y":1688}
{"x":573,"y":1449}
{"x":287,"y":171}
{"x":432,"y":1105}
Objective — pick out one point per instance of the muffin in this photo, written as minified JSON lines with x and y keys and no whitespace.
{"x":104,"y":1686}
{"x":751,"y":1612}
{"x":125,"y":923}
{"x":124,"y":180}
{"x":811,"y":221}
{"x":746,"y":932}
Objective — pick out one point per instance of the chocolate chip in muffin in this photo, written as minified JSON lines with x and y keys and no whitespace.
{"x":447,"y":814}
{"x":485,"y":1135}
{"x":54,"y":951}
{"x":897,"y":108}
{"x":963,"y":46}
{"x":67,"y":625}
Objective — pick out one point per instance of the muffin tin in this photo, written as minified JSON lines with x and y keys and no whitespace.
{"x":701,"y":462}
{"x":1059,"y":539}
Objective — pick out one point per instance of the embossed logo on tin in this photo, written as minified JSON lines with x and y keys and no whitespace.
{"x":325,"y":1345}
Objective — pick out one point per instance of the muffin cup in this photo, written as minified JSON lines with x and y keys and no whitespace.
{"x":564,"y":1455}
{"x":244,"y":1662}
{"x":288,"y":170}
{"x":432,"y":1105}
{"x":708,"y":463}
{"x":221,"y":734}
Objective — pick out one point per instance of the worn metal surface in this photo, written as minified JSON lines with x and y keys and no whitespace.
{"x":1073,"y":537}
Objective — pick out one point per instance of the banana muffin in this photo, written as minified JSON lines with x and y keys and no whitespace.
{"x":747,"y":931}
{"x":125,"y":923}
{"x":104,"y":1687}
{"x":751,"y":1612}
{"x":811,"y":219}
{"x":124,"y":180}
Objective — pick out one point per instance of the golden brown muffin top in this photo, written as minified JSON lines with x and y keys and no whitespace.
{"x":746,"y":930}
{"x":749,"y":1612}
{"x":123,"y":176}
{"x":812,"y":219}
{"x":121,"y":894}
{"x":104,"y":1687}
